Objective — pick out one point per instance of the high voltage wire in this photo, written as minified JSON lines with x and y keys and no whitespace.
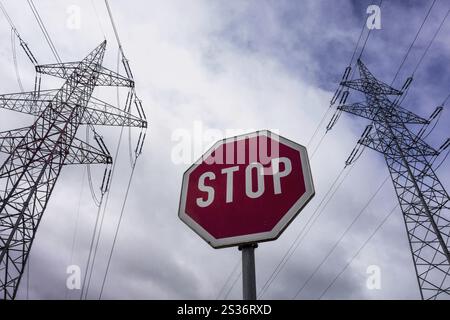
{"x":355,"y":50}
{"x":413,"y":42}
{"x":365,"y":243}
{"x":88,"y":263}
{"x":116,"y":233}
{"x":334,"y":247}
{"x":403,"y":97}
{"x":431,"y":42}
{"x":446,"y":99}
{"x":359,"y":251}
{"x":44,"y":31}
{"x":232,"y":286}
{"x":98,"y":19}
{"x":368,"y":35}
{"x":299,"y":237}
{"x":14,"y":54}
{"x":327,"y":111}
{"x":235,"y":268}
{"x":108,"y":194}
{"x":304,"y":231}
{"x":8,"y":18}
{"x":288,"y":255}
{"x":14,"y":34}
{"x":133,"y":164}
{"x":271,"y":278}
{"x":97,"y":234}
{"x":57,"y":57}
{"x":77,"y":220}
{"x":113,"y":24}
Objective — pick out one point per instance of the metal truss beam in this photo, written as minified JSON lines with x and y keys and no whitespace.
{"x":35,"y":155}
{"x":423,"y":200}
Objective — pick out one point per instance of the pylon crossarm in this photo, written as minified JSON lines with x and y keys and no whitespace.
{"x":79,"y":152}
{"x":397,"y":113}
{"x":59,"y":70}
{"x":101,"y":113}
{"x":82,"y":153}
{"x":378,"y":87}
{"x":27,"y":102}
{"x":9,"y":140}
{"x":106,"y":77}
{"x":96,"y":113}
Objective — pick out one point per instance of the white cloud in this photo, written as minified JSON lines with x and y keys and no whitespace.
{"x":188,"y":69}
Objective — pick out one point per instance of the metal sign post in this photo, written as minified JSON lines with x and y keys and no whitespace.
{"x":246,"y":190}
{"x":248,"y":271}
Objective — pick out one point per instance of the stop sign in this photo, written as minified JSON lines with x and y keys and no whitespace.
{"x":246,"y":189}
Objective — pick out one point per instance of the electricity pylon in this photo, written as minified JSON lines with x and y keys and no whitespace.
{"x":422,"y":197}
{"x":36,"y":154}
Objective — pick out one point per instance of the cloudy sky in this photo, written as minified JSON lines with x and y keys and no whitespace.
{"x":225,"y":65}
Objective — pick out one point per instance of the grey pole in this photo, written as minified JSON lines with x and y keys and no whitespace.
{"x":248,"y":271}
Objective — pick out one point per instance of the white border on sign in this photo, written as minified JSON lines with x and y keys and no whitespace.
{"x":255,"y":237}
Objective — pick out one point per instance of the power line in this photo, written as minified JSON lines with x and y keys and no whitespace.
{"x":288,"y":253}
{"x":117,"y":230}
{"x":334,"y":247}
{"x":350,"y":66}
{"x":304,"y":231}
{"x":368,"y":35}
{"x":445,"y":100}
{"x":14,"y":54}
{"x":114,"y":26}
{"x":232,"y":286}
{"x":394,"y":79}
{"x":116,"y":33}
{"x":422,"y":196}
{"x":116,"y":155}
{"x":431,"y":42}
{"x":98,"y":19}
{"x":8,"y":18}
{"x":77,"y":219}
{"x":131,"y":96}
{"x":443,"y":160}
{"x":364,"y":245}
{"x":88,"y":263}
{"x":413,"y":42}
{"x":44,"y":31}
{"x":235,"y":268}
{"x":327,"y":111}
{"x":23,"y":44}
{"x":386,"y":218}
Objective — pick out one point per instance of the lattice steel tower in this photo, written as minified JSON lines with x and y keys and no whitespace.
{"x":36,"y":154}
{"x":422,"y":197}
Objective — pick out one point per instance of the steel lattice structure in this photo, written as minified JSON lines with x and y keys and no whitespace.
{"x":36,"y":154}
{"x":422,"y":197}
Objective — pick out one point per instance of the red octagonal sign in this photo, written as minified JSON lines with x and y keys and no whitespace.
{"x":246,"y":189}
